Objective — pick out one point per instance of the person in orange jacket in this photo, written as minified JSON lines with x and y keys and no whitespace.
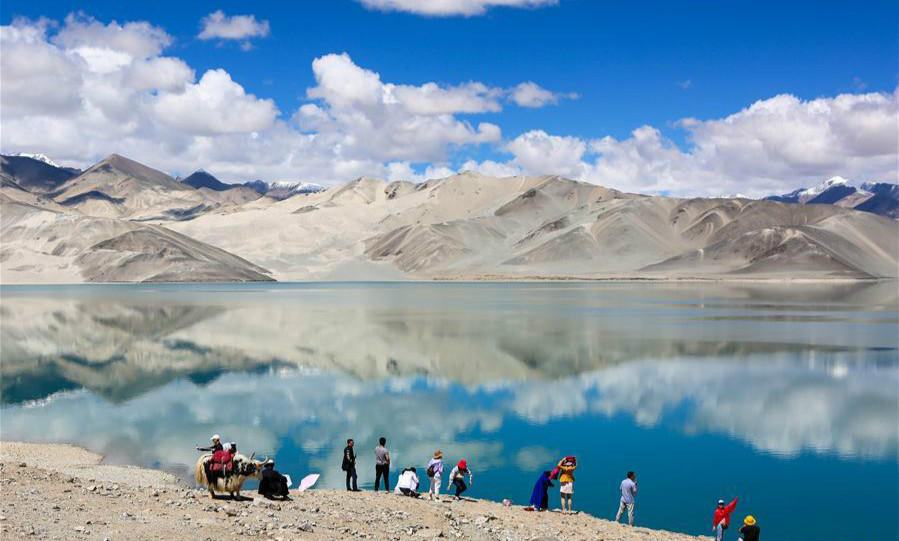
{"x":721,"y":519}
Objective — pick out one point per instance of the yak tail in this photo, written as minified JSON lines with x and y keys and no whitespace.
{"x":200,"y":471}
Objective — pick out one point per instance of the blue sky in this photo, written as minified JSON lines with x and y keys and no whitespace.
{"x":631,"y":65}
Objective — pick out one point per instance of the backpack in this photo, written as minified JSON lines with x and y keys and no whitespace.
{"x":431,"y":471}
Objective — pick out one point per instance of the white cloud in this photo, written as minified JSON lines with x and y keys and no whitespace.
{"x":537,"y":152}
{"x":82,"y":89}
{"x":359,"y":115}
{"x":532,"y":95}
{"x":215,"y":105}
{"x":772,"y":146}
{"x":217,"y":25}
{"x":444,"y":8}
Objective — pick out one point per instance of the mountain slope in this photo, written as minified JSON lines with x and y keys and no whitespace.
{"x":877,"y":198}
{"x":41,"y":245}
{"x":35,"y":175}
{"x":471,"y":226}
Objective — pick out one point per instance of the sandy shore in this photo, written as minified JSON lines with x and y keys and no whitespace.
{"x":64,"y":492}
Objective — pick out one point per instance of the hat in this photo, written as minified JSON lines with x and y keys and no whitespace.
{"x":720,"y":502}
{"x":227,"y":447}
{"x":438,"y":454}
{"x":269,"y":462}
{"x":215,"y":437}
{"x":462,"y":464}
{"x":749,"y":520}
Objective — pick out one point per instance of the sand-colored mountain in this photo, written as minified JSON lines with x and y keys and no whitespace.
{"x":467,"y":226}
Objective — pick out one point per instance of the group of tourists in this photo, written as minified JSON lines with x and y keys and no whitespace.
{"x":273,"y":484}
{"x":408,"y":482}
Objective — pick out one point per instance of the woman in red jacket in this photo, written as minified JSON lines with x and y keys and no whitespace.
{"x":721,"y":520}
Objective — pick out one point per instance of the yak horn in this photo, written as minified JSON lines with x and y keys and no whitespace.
{"x":252,"y":455}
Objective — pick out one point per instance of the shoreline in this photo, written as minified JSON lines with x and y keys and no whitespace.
{"x":62,"y":492}
{"x":499,"y":280}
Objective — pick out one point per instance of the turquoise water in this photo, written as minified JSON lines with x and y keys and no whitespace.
{"x":786,"y":396}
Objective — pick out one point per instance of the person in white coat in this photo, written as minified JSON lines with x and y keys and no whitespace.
{"x":407,"y":484}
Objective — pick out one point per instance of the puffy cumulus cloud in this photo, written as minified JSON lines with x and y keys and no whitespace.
{"x":215,"y":105}
{"x":217,"y":25}
{"x":444,"y":8}
{"x":540,"y":153}
{"x":359,"y":115}
{"x":530,"y":94}
{"x":82,"y":89}
{"x":772,"y":146}
{"x":38,"y":78}
{"x":136,"y":39}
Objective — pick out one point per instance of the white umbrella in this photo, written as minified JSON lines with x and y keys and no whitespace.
{"x":307,"y":482}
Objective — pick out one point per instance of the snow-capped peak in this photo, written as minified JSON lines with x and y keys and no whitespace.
{"x":734,"y":196}
{"x":39,"y":157}
{"x":824,"y":186}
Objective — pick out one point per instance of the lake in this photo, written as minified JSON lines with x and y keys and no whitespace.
{"x":786,"y":395}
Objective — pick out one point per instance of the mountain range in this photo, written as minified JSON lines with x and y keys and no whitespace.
{"x":120,"y":220}
{"x":876,"y":197}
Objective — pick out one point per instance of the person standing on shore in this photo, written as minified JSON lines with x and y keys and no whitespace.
{"x":566,"y":478}
{"x":540,"y":496}
{"x":457,"y":478}
{"x":382,"y":465}
{"x":435,"y":474}
{"x":721,"y":518}
{"x":349,"y":465}
{"x":628,"y":491}
{"x":750,"y":531}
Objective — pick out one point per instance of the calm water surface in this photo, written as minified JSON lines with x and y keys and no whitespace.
{"x":786,"y":396}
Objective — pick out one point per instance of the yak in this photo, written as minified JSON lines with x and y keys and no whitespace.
{"x":243,"y":468}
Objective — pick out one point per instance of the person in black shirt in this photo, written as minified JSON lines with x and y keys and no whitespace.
{"x":349,"y":465}
{"x":750,"y":530}
{"x":273,"y":484}
{"x":216,"y":444}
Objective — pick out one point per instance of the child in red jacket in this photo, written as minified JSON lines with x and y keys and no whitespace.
{"x":721,"y":519}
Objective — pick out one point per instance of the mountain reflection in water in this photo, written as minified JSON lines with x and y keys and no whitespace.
{"x":510,"y":376}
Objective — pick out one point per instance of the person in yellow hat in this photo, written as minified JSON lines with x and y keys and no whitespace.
{"x":750,"y":531}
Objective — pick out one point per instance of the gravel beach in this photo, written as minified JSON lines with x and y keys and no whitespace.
{"x":53,"y":491}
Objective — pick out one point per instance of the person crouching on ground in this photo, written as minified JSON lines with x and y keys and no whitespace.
{"x":435,"y":475}
{"x":628,"y":491}
{"x":721,"y":518}
{"x":457,"y":478}
{"x":540,"y":494}
{"x":566,"y":478}
{"x":407,"y":483}
{"x":273,"y":484}
{"x":750,"y":531}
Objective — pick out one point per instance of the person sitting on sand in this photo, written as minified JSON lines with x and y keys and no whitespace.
{"x":721,"y":518}
{"x":457,"y":478}
{"x":750,"y":531}
{"x":435,"y":475}
{"x":540,"y":494}
{"x":273,"y":484}
{"x":216,"y":444}
{"x":407,"y":483}
{"x":628,"y":491}
{"x":566,"y":479}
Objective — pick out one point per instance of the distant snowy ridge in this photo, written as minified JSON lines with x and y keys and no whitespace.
{"x":40,"y":157}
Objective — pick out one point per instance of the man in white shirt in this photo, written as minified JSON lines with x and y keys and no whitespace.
{"x":407,"y":484}
{"x":628,"y":490}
